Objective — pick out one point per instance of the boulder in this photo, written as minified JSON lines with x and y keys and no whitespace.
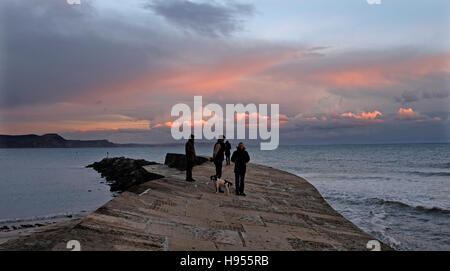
{"x":122,"y":173}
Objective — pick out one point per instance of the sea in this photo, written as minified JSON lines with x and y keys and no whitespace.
{"x":399,"y":193}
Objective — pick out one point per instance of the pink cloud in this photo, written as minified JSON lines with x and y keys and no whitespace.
{"x":195,"y":78}
{"x":407,"y":114}
{"x":375,"y":75}
{"x":364,"y":116}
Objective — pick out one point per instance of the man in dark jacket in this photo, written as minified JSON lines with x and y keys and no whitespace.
{"x":190,"y":158}
{"x":240,"y":158}
{"x":218,"y":155}
{"x":227,"y":152}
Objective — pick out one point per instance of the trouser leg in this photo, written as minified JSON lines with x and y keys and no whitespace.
{"x":241,"y":183}
{"x":189,"y":167}
{"x":236,"y":182}
{"x":218,"y":169}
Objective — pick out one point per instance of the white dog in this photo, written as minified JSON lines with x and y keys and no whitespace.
{"x":221,"y":183}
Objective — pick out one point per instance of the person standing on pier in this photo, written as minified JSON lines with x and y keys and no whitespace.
{"x":240,"y":158}
{"x":218,"y":155}
{"x":227,"y":152}
{"x":190,"y":158}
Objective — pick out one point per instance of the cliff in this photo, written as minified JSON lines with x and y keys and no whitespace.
{"x":49,"y":141}
{"x":281,"y":212}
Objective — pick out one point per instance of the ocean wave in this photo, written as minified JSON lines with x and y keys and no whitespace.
{"x":431,"y":174}
{"x":440,"y":165}
{"x":417,"y":208}
{"x":40,"y":218}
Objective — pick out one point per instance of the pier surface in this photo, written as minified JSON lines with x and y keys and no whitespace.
{"x":280,"y":212}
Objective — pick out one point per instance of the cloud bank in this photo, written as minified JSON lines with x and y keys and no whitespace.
{"x":207,"y":18}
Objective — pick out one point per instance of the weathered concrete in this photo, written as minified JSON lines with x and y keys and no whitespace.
{"x":281,"y":212}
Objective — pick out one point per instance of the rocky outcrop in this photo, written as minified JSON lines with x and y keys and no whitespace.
{"x":178,"y":161}
{"x":57,"y":141}
{"x":49,"y":141}
{"x":122,"y":173}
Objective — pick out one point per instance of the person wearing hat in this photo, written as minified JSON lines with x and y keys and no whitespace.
{"x":190,"y":158}
{"x":218,"y":155}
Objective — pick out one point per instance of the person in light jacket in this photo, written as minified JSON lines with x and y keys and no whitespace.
{"x":218,"y":156}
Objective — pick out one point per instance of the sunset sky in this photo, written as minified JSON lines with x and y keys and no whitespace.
{"x":342,"y":71}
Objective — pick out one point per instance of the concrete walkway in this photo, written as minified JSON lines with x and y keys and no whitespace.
{"x":281,"y":212}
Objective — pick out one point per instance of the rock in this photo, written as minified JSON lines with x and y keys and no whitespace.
{"x":4,"y":228}
{"x":26,"y":226}
{"x":178,"y":161}
{"x":122,"y":173}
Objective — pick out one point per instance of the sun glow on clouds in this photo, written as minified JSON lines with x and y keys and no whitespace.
{"x":225,"y":72}
{"x":407,"y":114}
{"x":95,"y":123}
{"x":382,"y":74}
{"x":107,"y":122}
{"x":166,"y":124}
{"x":283,"y":119}
{"x":139,"y":73}
{"x":369,"y":116}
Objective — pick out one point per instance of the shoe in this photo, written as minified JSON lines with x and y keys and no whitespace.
{"x":190,"y":180}
{"x":242,"y":194}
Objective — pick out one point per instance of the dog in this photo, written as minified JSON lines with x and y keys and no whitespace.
{"x":221,"y":183}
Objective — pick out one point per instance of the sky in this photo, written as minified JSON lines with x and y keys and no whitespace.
{"x":341,"y":71}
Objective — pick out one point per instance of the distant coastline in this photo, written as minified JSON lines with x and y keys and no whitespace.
{"x":53,"y":140}
{"x":57,"y":141}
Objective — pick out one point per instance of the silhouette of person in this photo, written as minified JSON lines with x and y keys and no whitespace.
{"x":240,"y":158}
{"x":227,"y":152}
{"x":218,"y":155}
{"x":190,"y":158}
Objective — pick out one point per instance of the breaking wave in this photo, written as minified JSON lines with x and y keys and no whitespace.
{"x":431,"y":174}
{"x":440,"y":165}
{"x":417,"y":208}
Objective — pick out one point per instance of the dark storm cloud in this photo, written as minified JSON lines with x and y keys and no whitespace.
{"x":408,"y":97}
{"x":335,"y":131}
{"x":209,"y":19}
{"x":439,"y":94}
{"x":52,"y":50}
{"x":429,"y":87}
